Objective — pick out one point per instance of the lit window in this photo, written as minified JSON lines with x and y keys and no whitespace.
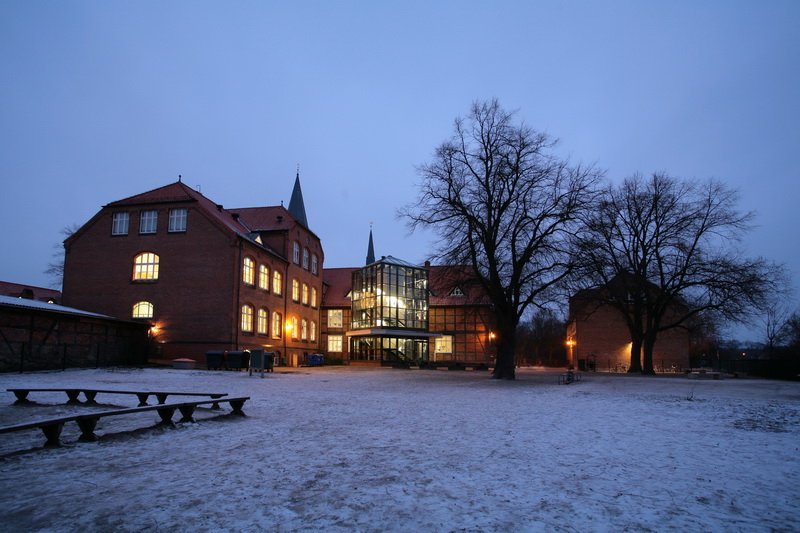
{"x":305,"y":258}
{"x":295,"y":290}
{"x":249,"y":271}
{"x":119,"y":223}
{"x":304,"y":329}
{"x":314,"y":264}
{"x":148,"y":221}
{"x":277,"y":325}
{"x":277,"y":282}
{"x":305,"y":294}
{"x":261,"y":323}
{"x":145,"y":267}
{"x":296,"y":253}
{"x":313,"y":296}
{"x":247,"y":318}
{"x":177,"y":220}
{"x":334,"y":318}
{"x":263,"y":277}
{"x":295,"y":331}
{"x":444,"y":344}
{"x":142,"y":310}
{"x":313,"y":331}
{"x":334,"y":343}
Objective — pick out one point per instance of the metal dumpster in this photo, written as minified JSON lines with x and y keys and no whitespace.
{"x":316,"y":359}
{"x":237,"y":359}
{"x":214,"y":359}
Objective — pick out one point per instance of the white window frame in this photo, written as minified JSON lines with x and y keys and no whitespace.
{"x":249,"y":271}
{"x":277,"y":325}
{"x":247,"y":313}
{"x":146,"y":266}
{"x":148,"y":222}
{"x":335,"y":343}
{"x":120,"y":221}
{"x":263,"y":277}
{"x":335,"y":318}
{"x":443,"y":344}
{"x":277,"y":282}
{"x":296,"y":252}
{"x":314,"y":264}
{"x":262,"y":321}
{"x":177,"y":220}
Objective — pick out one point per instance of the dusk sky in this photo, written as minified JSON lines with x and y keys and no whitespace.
{"x":103,"y":100}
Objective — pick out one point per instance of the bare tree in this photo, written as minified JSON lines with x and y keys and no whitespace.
{"x":55,"y":268}
{"x":502,"y":202}
{"x":666,"y":248}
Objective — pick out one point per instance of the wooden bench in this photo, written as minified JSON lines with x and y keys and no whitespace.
{"x":51,"y":427}
{"x":90,"y":394}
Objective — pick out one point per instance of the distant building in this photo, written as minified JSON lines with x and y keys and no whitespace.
{"x":202,"y":276}
{"x":598,"y":337}
{"x":391,"y":312}
{"x":29,"y":292}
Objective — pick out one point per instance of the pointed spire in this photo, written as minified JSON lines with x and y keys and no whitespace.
{"x":370,"y":248}
{"x":297,"y":207}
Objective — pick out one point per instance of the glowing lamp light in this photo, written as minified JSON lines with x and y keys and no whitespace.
{"x":492,"y":336}
{"x":570,"y":343}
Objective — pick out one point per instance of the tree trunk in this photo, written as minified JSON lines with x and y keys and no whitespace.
{"x":636,"y":354}
{"x":504,"y":366}
{"x":647,"y":356}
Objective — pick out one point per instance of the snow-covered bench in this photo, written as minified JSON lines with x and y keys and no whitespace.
{"x":51,"y":427}
{"x":90,"y":394}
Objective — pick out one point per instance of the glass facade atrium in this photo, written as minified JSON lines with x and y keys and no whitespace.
{"x":390,"y":313}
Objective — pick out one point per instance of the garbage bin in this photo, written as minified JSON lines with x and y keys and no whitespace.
{"x":214,"y":359}
{"x":316,"y":359}
{"x":269,"y":361}
{"x":237,"y":359}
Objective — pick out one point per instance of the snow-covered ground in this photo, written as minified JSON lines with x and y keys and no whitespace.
{"x":344,"y":449}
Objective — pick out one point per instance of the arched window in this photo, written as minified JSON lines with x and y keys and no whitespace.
{"x":304,"y":329}
{"x":277,"y":325}
{"x":249,"y":271}
{"x":247,"y":318}
{"x":295,"y":329}
{"x":261,"y":323}
{"x":277,"y":282}
{"x":263,"y":277}
{"x":296,"y":252}
{"x":313,"y":336}
{"x":305,"y":294}
{"x":142,"y":310}
{"x":314,"y":264}
{"x":313,"y":297}
{"x":145,"y":267}
{"x":305,"y":258}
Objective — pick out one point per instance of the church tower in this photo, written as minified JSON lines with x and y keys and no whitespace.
{"x":297,"y":207}
{"x":370,"y":249}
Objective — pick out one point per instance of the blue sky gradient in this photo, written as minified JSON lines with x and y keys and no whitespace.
{"x":102,"y":100}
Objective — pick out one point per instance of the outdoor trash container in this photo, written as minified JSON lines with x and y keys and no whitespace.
{"x":237,"y":359}
{"x":214,"y":359}
{"x":269,"y":361}
{"x":316,"y":359}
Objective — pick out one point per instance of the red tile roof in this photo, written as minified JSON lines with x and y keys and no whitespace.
{"x":17,"y":290}
{"x":338,"y":282}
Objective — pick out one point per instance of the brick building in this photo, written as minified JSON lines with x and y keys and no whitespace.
{"x":203,"y":276}
{"x":598,"y":338}
{"x":391,"y":312}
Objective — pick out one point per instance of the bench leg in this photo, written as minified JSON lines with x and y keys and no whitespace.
{"x":187,"y":411}
{"x":87,"y":425}
{"x":162,"y":398}
{"x":236,"y":405}
{"x":22,"y":397}
{"x":52,"y":432}
{"x":166,"y":415}
{"x":142,"y":398}
{"x":72,"y":394}
{"x":90,"y":395}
